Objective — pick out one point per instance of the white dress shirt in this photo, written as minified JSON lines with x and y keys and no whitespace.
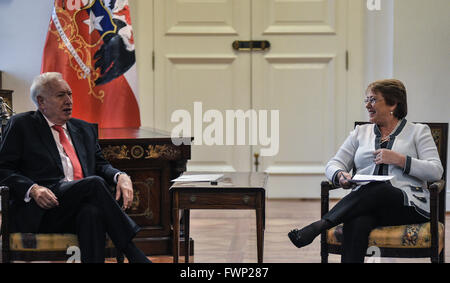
{"x":65,"y":160}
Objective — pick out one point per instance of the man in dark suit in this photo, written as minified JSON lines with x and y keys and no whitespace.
{"x":59,"y":178}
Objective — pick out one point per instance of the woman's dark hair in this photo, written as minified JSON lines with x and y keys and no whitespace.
{"x":393,"y":92}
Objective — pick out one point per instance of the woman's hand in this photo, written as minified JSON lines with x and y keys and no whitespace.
{"x":386,"y":156}
{"x":344,"y":179}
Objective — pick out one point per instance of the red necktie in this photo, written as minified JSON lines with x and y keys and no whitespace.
{"x":70,"y":151}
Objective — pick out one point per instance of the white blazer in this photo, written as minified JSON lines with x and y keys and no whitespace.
{"x":412,"y":140}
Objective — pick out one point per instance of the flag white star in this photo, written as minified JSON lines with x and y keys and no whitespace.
{"x":94,"y":22}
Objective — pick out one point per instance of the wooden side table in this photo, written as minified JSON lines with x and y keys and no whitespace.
{"x":233,"y":191}
{"x":151,"y":159}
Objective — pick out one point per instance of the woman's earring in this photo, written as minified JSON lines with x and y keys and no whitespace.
{"x":392,"y":113}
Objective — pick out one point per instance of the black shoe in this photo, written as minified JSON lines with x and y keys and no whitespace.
{"x":306,"y":235}
{"x":299,"y":239}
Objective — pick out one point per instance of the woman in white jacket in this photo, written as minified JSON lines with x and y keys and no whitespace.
{"x":389,"y":146}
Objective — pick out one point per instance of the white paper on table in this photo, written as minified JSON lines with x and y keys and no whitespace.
{"x":358,"y":178}
{"x":198,"y":178}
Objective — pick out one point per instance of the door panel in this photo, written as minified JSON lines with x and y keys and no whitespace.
{"x":298,"y":87}
{"x":297,"y":17}
{"x":202,"y":17}
{"x":196,"y":63}
{"x":303,"y":76}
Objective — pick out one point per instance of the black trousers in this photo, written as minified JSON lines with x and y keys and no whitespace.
{"x":87,"y":208}
{"x":375,"y":204}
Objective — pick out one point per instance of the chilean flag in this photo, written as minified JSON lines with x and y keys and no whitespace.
{"x":91,"y":43}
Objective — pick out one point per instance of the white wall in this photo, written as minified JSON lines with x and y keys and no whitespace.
{"x":422,"y":56}
{"x":23,"y":29}
{"x":422,"y":59}
{"x":379,"y":51}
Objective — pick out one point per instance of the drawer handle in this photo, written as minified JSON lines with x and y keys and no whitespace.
{"x":246,"y":199}
{"x":193,"y":199}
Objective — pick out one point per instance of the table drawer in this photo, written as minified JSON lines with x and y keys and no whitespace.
{"x":217,"y":200}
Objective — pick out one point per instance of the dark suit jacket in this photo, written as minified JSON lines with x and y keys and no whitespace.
{"x":28,"y":155}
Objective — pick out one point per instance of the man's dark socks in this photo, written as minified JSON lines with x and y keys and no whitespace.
{"x":135,"y":255}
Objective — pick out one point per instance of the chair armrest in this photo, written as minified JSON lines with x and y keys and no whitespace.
{"x":327,"y":186}
{"x":436,"y":187}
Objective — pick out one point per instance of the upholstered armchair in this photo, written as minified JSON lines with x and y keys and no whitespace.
{"x":406,"y":241}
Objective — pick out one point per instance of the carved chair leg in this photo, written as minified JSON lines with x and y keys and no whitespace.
{"x":324,"y":199}
{"x":435,"y":256}
{"x":442,"y":257}
{"x":434,"y":259}
{"x":324,"y":257}
{"x":120,"y":257}
{"x":5,"y":257}
{"x":323,"y":248}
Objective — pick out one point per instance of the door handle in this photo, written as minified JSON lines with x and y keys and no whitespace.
{"x":251,"y":45}
{"x":256,"y":155}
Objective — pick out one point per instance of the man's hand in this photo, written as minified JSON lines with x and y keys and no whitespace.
{"x":386,"y":156}
{"x":44,"y":197}
{"x":125,"y":188}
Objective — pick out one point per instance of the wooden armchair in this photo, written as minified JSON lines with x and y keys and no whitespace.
{"x":407,"y":241}
{"x":39,"y":247}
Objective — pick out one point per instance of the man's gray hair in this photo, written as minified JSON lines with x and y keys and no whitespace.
{"x":43,"y":84}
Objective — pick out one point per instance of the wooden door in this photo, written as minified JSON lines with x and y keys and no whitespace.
{"x":304,"y":77}
{"x":195,"y":63}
